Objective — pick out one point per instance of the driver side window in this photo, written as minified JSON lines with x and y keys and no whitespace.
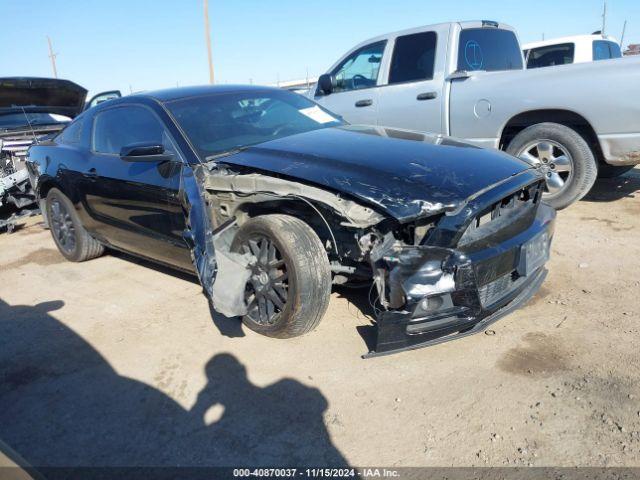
{"x":360,"y":69}
{"x":121,"y":126}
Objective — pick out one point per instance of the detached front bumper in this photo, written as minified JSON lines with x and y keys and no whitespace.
{"x":449,"y":293}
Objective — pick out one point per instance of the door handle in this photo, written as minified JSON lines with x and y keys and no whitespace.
{"x":427,"y":96}
{"x":91,"y":173}
{"x":364,"y":103}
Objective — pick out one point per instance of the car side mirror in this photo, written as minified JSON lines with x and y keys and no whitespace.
{"x":326,"y":83}
{"x":145,"y":152}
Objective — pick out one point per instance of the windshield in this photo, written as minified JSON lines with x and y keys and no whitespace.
{"x":223,"y":122}
{"x":17,"y":120}
{"x":489,"y":49}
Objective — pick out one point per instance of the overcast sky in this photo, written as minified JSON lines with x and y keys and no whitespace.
{"x":142,"y":45}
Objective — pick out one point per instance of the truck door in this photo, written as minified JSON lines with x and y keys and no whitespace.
{"x":412,"y":97}
{"x":355,"y":95}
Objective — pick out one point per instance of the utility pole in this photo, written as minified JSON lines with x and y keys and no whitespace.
{"x":604,"y":17}
{"x":207,"y":33}
{"x":624,"y":27}
{"x":52,"y":56}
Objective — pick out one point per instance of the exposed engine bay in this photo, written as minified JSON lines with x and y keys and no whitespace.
{"x":17,"y":198}
{"x":16,"y":194}
{"x":31,"y":110}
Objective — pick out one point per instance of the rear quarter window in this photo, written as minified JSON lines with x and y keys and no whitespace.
{"x":72,"y":134}
{"x":489,"y":49}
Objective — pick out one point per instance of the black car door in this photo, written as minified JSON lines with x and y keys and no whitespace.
{"x":134,"y":205}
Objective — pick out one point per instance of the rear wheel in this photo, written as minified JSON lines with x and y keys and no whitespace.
{"x":73,"y":241}
{"x":288,"y":291}
{"x":564,"y":158}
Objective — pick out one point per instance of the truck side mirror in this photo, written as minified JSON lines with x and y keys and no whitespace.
{"x":102,"y":97}
{"x":326,"y":83}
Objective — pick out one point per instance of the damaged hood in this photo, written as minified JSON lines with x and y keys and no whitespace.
{"x":35,"y":95}
{"x":403,"y":173}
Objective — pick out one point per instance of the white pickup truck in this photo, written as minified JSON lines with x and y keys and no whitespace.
{"x":468,"y":80}
{"x":576,"y":49}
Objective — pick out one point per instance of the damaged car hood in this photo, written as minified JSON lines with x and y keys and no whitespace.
{"x":49,"y":95}
{"x":405,"y":174}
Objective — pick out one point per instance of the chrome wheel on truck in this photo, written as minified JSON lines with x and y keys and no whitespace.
{"x":553,"y":161}
{"x":563,"y":156}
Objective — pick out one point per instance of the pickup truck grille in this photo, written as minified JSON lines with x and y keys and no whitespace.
{"x":507,"y":211}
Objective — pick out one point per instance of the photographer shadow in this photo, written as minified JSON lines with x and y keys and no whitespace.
{"x":63,"y":405}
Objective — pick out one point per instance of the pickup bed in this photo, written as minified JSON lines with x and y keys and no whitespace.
{"x":468,"y":80}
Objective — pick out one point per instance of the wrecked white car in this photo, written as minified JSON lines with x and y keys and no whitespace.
{"x":269,"y":199}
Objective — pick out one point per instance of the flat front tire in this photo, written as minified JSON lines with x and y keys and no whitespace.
{"x":289,"y":289}
{"x":72,"y":240}
{"x":563,"y":156}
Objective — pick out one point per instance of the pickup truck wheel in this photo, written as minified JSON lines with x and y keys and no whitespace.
{"x":73,"y":241}
{"x":563,"y":156}
{"x":611,"y":171}
{"x":288,"y":292}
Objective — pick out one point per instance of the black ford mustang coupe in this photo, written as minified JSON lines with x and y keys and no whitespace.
{"x":269,"y":199}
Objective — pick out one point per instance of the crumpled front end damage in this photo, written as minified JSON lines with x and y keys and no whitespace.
{"x":442,"y":275}
{"x":433,"y":295}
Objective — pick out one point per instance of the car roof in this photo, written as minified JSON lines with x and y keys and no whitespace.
{"x":170,"y":94}
{"x":570,"y":39}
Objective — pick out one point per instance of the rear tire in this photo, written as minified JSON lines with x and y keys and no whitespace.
{"x":611,"y":171}
{"x":72,"y":240}
{"x":565,"y":143}
{"x":288,"y":293}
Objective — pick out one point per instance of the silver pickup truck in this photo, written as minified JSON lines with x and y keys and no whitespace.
{"x":468,"y":80}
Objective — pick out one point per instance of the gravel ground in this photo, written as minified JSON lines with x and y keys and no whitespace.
{"x":117,"y":362}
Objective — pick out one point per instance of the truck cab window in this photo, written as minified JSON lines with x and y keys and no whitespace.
{"x":604,"y":50}
{"x":560,"y":54}
{"x":488,"y":49}
{"x":360,"y":69}
{"x":413,"y":58}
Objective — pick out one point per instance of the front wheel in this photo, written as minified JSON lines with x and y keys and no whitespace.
{"x":289,"y":288}
{"x":562,"y":156}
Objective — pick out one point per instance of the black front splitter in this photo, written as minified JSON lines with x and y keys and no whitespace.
{"x":524,"y":296}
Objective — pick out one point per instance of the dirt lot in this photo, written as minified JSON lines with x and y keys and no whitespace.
{"x":116,"y":362}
